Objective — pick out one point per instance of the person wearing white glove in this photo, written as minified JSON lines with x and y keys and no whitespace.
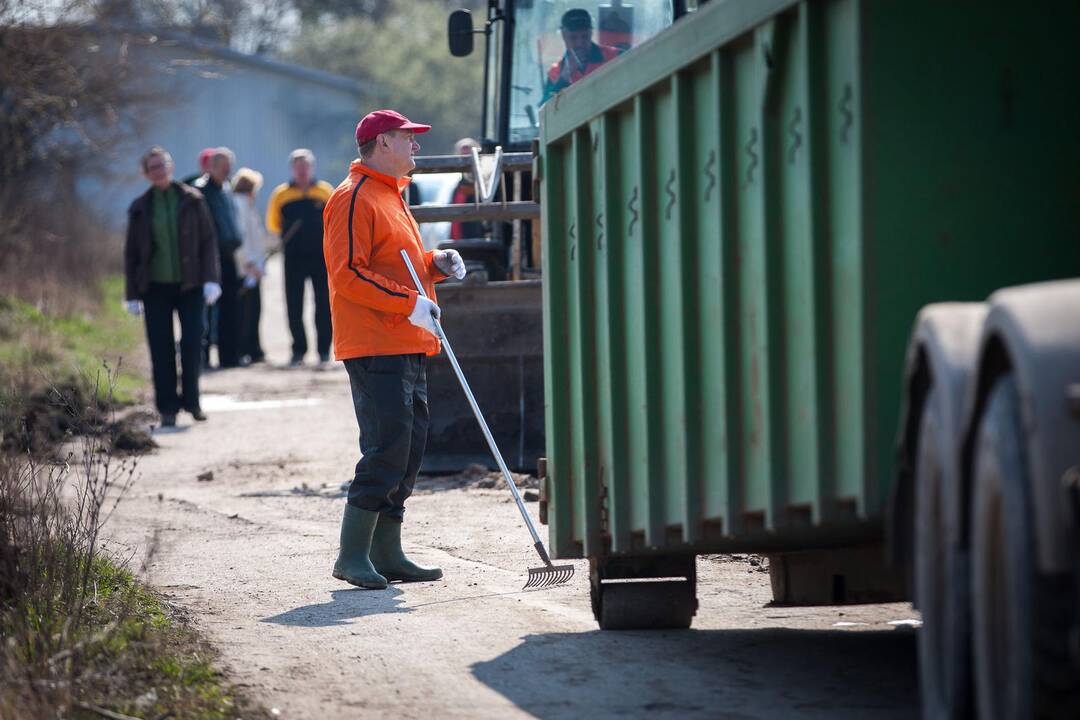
{"x":384,"y":332}
{"x":171,"y":269}
{"x":450,"y":262}
{"x":223,"y":327}
{"x":425,"y":314}
{"x":211,"y":292}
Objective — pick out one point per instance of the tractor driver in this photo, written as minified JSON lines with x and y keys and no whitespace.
{"x":582,"y":55}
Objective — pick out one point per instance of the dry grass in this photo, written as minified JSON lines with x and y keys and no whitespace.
{"x":55,"y":251}
{"x":48,"y":363}
{"x":78,"y":634}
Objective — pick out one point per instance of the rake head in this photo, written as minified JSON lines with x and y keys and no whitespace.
{"x":549,"y":576}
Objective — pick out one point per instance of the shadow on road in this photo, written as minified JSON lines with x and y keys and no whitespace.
{"x":731,"y":674}
{"x":346,"y":605}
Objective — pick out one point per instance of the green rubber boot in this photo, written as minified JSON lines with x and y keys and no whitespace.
{"x":353,"y":563}
{"x":390,"y":560}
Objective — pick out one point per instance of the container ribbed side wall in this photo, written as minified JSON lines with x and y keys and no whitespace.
{"x":559,"y":432}
{"x":741,"y":220}
{"x":689,"y":261}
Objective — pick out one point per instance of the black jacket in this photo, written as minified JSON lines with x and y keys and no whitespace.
{"x":221,"y":209}
{"x":196,"y":236}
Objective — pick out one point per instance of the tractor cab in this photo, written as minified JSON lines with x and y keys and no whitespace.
{"x":535,"y":48}
{"x":532,"y":50}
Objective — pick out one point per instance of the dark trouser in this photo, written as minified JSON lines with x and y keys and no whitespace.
{"x":250,"y":311}
{"x":209,"y":333}
{"x":228,"y":323}
{"x":298,"y":268}
{"x":159,"y":304}
{"x":390,"y":399}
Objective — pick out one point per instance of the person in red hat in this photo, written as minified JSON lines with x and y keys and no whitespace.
{"x":383,"y":331}
{"x":204,"y":165}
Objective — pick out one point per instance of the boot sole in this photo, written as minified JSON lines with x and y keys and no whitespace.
{"x":411,"y":578}
{"x":367,"y":585}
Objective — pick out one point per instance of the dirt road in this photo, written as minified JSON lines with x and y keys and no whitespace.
{"x":249,"y":552}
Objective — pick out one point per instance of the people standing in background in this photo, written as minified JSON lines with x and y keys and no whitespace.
{"x":412,"y":194}
{"x":171,"y":266}
{"x":214,"y":186}
{"x":465,"y":193}
{"x":294,"y":214}
{"x":204,"y":165}
{"x":251,"y":259}
{"x":210,"y":313}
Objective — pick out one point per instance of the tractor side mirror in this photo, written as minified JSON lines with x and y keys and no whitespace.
{"x":460,"y":33}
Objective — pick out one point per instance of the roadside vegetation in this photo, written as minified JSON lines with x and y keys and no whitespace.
{"x":36,"y":344}
{"x":80,"y":637}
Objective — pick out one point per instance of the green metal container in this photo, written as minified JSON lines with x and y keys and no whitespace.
{"x":741,"y":219}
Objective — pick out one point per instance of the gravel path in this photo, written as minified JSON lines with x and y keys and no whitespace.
{"x":248,"y":548}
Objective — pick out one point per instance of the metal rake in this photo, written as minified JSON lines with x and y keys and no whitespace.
{"x":539,"y":577}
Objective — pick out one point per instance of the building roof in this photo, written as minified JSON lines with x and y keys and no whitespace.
{"x":177,"y":39}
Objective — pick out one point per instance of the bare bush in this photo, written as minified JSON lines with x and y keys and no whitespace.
{"x":51,"y":515}
{"x":69,"y":91}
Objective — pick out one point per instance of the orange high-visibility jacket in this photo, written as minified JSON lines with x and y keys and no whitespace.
{"x":365,"y":226}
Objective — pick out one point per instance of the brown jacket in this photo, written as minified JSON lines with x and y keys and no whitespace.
{"x":198,"y":243}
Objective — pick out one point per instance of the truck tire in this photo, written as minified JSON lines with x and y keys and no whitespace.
{"x":667,"y":604}
{"x":643,"y":593}
{"x":1020,"y":618}
{"x":941,"y":575}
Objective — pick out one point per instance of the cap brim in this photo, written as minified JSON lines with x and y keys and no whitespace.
{"x":417,"y":128}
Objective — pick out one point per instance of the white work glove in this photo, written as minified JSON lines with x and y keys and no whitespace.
{"x":425,"y":314}
{"x":211,"y":291}
{"x":134,"y":307}
{"x":450,"y":262}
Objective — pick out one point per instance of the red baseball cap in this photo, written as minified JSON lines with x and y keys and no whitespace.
{"x":380,"y":121}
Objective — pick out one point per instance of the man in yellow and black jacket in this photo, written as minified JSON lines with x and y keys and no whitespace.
{"x":294,"y":214}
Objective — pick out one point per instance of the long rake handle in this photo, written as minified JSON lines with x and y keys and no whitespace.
{"x":537,"y":543}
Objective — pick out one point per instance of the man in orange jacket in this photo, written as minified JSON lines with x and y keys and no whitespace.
{"x":383,"y":331}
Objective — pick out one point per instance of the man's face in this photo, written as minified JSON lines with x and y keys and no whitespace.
{"x":301,"y":171}
{"x":159,"y":171}
{"x":399,"y":149}
{"x":578,"y":41}
{"x":220,"y":167}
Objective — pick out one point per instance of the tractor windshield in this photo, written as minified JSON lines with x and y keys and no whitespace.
{"x":555,"y":44}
